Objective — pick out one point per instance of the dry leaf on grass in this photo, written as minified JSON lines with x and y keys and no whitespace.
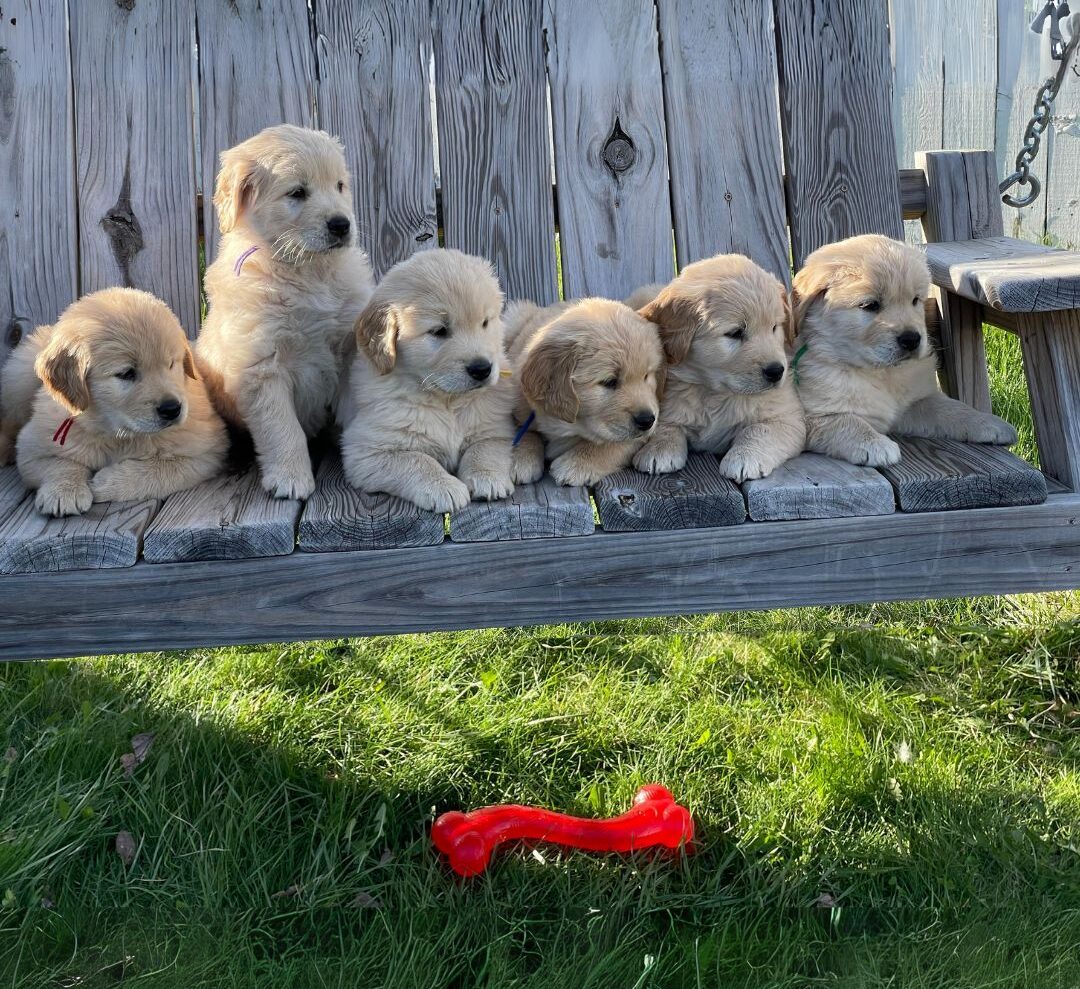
{"x":140,"y":748}
{"x":365,"y":901}
{"x":825,"y":901}
{"x":125,"y":847}
{"x":289,"y":892}
{"x":11,"y":755}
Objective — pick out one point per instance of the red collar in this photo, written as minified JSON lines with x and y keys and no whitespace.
{"x":61,"y":434}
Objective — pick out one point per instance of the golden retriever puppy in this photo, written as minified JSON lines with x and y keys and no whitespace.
{"x":589,"y":377}
{"x":724,"y":324}
{"x":284,"y":292}
{"x":866,"y":366}
{"x":122,"y":414}
{"x":429,"y":411}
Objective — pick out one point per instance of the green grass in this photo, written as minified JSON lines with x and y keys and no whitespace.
{"x":885,"y":796}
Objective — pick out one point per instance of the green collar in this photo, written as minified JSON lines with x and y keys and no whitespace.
{"x":795,"y":361}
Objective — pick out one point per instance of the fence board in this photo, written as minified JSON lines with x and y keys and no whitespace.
{"x":610,"y":151}
{"x":373,"y":93}
{"x":135,"y":153}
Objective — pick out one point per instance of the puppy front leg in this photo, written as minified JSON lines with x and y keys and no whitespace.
{"x":588,"y":463}
{"x":759,"y":448}
{"x":665,"y":451}
{"x":158,"y":477}
{"x":280,"y":443}
{"x":850,"y":437}
{"x":942,"y":418}
{"x":63,"y":485}
{"x":486,"y":467}
{"x":527,"y":459}
{"x":414,"y":476}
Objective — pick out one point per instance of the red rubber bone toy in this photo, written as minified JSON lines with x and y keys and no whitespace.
{"x":469,"y":839}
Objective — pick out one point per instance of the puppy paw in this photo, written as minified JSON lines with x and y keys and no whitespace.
{"x":112,"y":483}
{"x":570,"y":471}
{"x":655,"y":458}
{"x":487,"y":485}
{"x":989,"y":429}
{"x":744,"y":465}
{"x":294,"y":481}
{"x":447,"y":495}
{"x":879,"y":452}
{"x":69,"y":498}
{"x":528,"y":460}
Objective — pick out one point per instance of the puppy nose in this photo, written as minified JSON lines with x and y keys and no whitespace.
{"x":479,"y":370}
{"x":338,"y":225}
{"x":909,"y":340}
{"x":644,"y":420}
{"x":773,"y":372}
{"x":169,"y":409}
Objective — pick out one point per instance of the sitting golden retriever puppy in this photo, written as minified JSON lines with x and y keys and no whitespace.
{"x":724,"y":324}
{"x":284,"y":292}
{"x":867,"y":368}
{"x":122,"y":414}
{"x":590,"y":375}
{"x":429,"y":412}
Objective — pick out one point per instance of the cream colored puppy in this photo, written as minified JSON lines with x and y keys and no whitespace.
{"x":429,"y":417}
{"x":590,"y":373}
{"x":724,"y":324}
{"x":867,"y":368}
{"x":284,"y":292}
{"x":122,"y":414}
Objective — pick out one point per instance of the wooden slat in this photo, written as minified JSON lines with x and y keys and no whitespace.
{"x":962,"y":201}
{"x":38,"y":226}
{"x":698,"y":495}
{"x":106,"y":536}
{"x":256,"y":68}
{"x":836,"y":117}
{"x":533,"y":511}
{"x":1007,"y":274}
{"x":719,"y":64}
{"x":338,"y":517}
{"x":135,"y":161}
{"x":12,"y":492}
{"x":493,"y":140}
{"x":912,"y":193}
{"x":943,"y":475}
{"x":610,"y":155}
{"x":963,"y":370}
{"x":330,"y":595}
{"x":811,"y":486}
{"x":373,"y":93}
{"x":227,"y":518}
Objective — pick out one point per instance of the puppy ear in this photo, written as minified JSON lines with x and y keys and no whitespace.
{"x":189,"y":364}
{"x":547,"y":378}
{"x":62,"y":368}
{"x":661,"y":382}
{"x":235,"y":189}
{"x":676,"y":320}
{"x":377,"y":329}
{"x":789,"y":321}
{"x":808,"y":286}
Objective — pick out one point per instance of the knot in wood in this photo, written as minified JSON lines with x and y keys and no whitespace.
{"x":619,"y":154}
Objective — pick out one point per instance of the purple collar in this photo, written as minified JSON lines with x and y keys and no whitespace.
{"x":243,"y":257}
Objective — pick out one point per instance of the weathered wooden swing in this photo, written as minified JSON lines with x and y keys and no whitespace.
{"x":663,"y":119}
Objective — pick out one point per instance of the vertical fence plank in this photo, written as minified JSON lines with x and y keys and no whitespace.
{"x":493,"y":139}
{"x":836,"y":116}
{"x":610,"y":148}
{"x":373,"y":93}
{"x":38,"y":273}
{"x":256,"y":68}
{"x":135,"y":153}
{"x":719,"y":63}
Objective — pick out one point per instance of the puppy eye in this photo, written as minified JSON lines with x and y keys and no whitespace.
{"x":128,"y":374}
{"x":737,"y":334}
{"x":299,"y":193}
{"x":439,"y":331}
{"x":341,"y":187}
{"x":609,"y":383}
{"x":916,"y":301}
{"x":871,"y":305}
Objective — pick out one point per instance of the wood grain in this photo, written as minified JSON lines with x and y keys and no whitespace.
{"x":12,"y":492}
{"x":943,"y":475}
{"x":533,"y":511}
{"x":836,"y":118}
{"x":227,"y":518}
{"x":495,"y":164}
{"x":256,"y":68}
{"x":338,"y":517}
{"x":698,"y":495}
{"x":135,"y":155}
{"x":962,"y":201}
{"x":610,"y":151}
{"x":913,"y":193}
{"x":373,"y":93}
{"x":330,"y":595}
{"x":963,"y":370}
{"x":38,"y":225}
{"x":719,"y":71}
{"x":811,"y":486}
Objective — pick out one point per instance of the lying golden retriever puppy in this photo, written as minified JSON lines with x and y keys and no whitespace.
{"x":724,"y":324}
{"x":867,"y":367}
{"x":284,"y":292}
{"x":122,"y":414}
{"x":429,"y":411}
{"x":589,"y":376}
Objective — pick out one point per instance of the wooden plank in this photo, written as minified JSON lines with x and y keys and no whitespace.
{"x":533,"y":511}
{"x":339,"y":517}
{"x":473,"y":585}
{"x":495,"y":165}
{"x":38,"y":226}
{"x":135,"y":156}
{"x":913,"y":193}
{"x":610,"y":149}
{"x":811,"y":486}
{"x":256,"y":68}
{"x":107,"y":536}
{"x":373,"y":93}
{"x":1007,"y":274}
{"x":963,"y":371}
{"x":943,"y":475}
{"x":962,"y":201}
{"x":227,"y":518}
{"x":836,"y":118}
{"x":12,"y":492}
{"x":698,"y":495}
{"x":710,"y":52}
